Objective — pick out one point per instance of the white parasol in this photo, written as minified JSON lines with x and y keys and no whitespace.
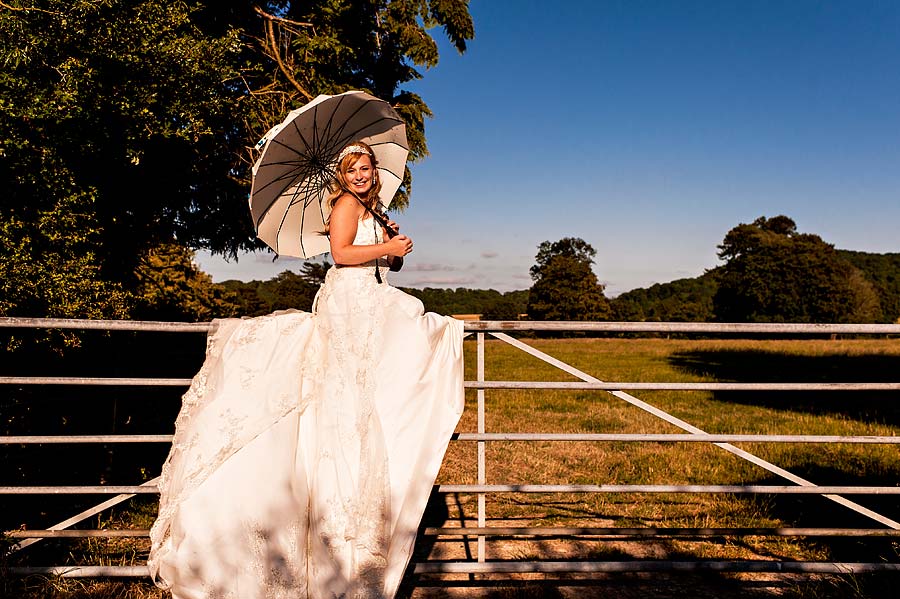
{"x":299,"y":155}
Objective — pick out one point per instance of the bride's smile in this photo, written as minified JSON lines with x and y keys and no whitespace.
{"x":359,"y":175}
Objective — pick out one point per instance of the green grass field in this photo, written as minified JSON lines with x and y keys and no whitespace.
{"x":649,"y":359}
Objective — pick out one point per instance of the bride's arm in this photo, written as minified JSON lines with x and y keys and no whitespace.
{"x":344,"y":219}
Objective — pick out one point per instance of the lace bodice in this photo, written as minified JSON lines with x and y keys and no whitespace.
{"x":368,"y":232}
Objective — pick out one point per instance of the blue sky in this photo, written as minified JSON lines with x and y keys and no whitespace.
{"x":649,"y":129}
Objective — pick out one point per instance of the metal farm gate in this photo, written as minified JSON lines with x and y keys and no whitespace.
{"x":882,"y":525}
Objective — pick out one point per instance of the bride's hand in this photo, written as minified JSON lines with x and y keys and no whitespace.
{"x":399,"y":245}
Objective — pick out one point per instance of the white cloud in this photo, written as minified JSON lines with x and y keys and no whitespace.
{"x":269,"y":258}
{"x":443,"y":281}
{"x":426,"y":267}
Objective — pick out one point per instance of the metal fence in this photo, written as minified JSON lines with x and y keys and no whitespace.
{"x":887,"y":527}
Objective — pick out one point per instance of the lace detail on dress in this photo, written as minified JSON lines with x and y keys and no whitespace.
{"x":368,"y":232}
{"x":351,"y":317}
{"x":307,"y":445}
{"x":218,"y":416}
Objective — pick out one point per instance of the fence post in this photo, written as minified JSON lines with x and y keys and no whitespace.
{"x":482,"y":479}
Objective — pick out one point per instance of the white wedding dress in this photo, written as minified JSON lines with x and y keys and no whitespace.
{"x":307,"y":446}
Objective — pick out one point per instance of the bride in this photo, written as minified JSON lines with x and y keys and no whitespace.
{"x":308,"y":443}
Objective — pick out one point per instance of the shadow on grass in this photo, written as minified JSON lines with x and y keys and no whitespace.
{"x":817,"y":511}
{"x":757,"y":366}
{"x":806,"y":511}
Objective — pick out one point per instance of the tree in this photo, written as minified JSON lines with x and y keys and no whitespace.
{"x":314,"y":272}
{"x":683,"y":300}
{"x":565,"y":287}
{"x":171,"y":287}
{"x":775,"y":274}
{"x":112,"y":117}
{"x":290,"y":291}
{"x":331,"y":46}
{"x":883,"y":270}
{"x":129,"y":99}
{"x":51,"y":266}
{"x":151,"y":108}
{"x":504,"y":308}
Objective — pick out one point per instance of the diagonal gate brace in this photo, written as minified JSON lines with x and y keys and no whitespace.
{"x":696,"y":431}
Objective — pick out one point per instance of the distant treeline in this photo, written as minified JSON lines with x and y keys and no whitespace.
{"x":883,"y":271}
{"x":691,"y":300}
{"x":289,"y":290}
{"x":683,"y":300}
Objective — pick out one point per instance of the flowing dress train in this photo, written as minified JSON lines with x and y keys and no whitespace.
{"x":308,"y":444}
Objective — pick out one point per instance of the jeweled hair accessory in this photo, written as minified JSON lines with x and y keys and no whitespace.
{"x":353,"y":150}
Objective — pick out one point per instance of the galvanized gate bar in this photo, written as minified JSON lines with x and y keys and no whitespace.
{"x":80,"y":517}
{"x":618,"y":437}
{"x":482,"y":468}
{"x":693,"y":429}
{"x":33,"y":439}
{"x":82,"y":571}
{"x":104,"y":325}
{"x":100,"y":381}
{"x":676,"y":438}
{"x":780,"y":328}
{"x":664,"y":386}
{"x":515,"y":567}
{"x":80,"y":490}
{"x":773,"y":489}
{"x":547,"y":567}
{"x":482,"y":488}
{"x":534,"y":531}
{"x":75,"y":534}
{"x":650,"y":533}
{"x":497,"y":325}
{"x":605,"y":386}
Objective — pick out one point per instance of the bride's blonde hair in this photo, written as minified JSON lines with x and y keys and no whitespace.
{"x":338,"y":185}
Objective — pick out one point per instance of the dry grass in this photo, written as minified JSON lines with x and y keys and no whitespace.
{"x":829,"y":413}
{"x":647,"y":463}
{"x":659,"y":463}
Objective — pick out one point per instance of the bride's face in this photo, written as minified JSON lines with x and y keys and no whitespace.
{"x":359,"y":175}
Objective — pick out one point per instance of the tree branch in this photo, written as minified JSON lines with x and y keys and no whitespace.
{"x":28,"y":9}
{"x":272,"y":46}
{"x":270,"y":17}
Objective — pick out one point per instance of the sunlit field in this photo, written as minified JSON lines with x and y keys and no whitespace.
{"x":642,"y":359}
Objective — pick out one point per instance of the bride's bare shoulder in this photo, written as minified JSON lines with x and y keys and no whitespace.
{"x":347,"y":206}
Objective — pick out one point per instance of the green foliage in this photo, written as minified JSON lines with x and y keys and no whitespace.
{"x":683,"y":300}
{"x":565,"y":287}
{"x":775,"y":274}
{"x":491,"y":304}
{"x":129,"y":101}
{"x":314,"y":272}
{"x":289,"y":290}
{"x":883,"y":270}
{"x":331,"y":46}
{"x":51,"y":266}
{"x":149,"y":108}
{"x":172,"y":288}
{"x":286,"y":291}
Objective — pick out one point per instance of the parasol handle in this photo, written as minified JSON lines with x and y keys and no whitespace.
{"x":381,"y":219}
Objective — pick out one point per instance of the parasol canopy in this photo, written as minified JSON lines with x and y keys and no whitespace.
{"x":288,"y":197}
